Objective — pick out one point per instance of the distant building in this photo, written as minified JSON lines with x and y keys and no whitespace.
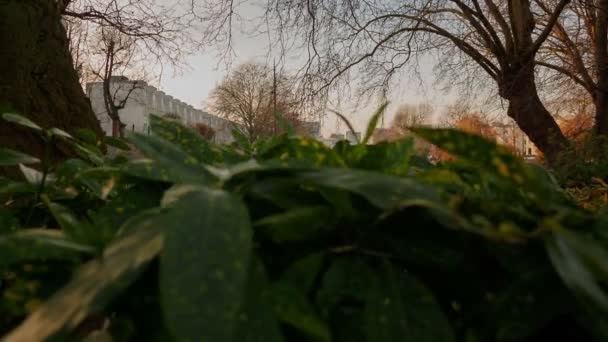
{"x":143,"y":100}
{"x":332,"y":139}
{"x":384,"y":134}
{"x":353,"y":137}
{"x":515,"y":139}
{"x":309,"y":128}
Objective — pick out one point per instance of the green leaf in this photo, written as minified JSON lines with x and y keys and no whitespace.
{"x":526,"y":306}
{"x":204,"y":265}
{"x":373,"y":122}
{"x":303,"y":272}
{"x":32,"y":176}
{"x":257,"y":321}
{"x":399,"y":307}
{"x":9,"y":157}
{"x":188,"y":140}
{"x":295,"y":225}
{"x":86,"y":135}
{"x":387,"y":157}
{"x":172,"y":163}
{"x":116,"y":143}
{"x":20,"y":120}
{"x":94,"y":284}
{"x":60,"y":133}
{"x":79,"y":231}
{"x":303,"y":151}
{"x":478,"y":151}
{"x":285,"y":193}
{"x":11,"y":187}
{"x":574,"y":272}
{"x":383,"y":191}
{"x":341,"y":298}
{"x":347,"y":122}
{"x":126,"y":204}
{"x":293,"y":308}
{"x":8,"y":222}
{"x":288,"y":127}
{"x":240,"y":139}
{"x":89,"y":152}
{"x":593,"y":252}
{"x":39,"y":244}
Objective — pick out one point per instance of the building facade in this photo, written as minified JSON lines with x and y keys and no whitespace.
{"x":143,"y":100}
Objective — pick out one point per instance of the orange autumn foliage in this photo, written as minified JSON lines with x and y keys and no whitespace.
{"x":575,"y":127}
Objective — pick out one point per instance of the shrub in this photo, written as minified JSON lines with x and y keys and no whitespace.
{"x":204,"y":130}
{"x":288,"y":240}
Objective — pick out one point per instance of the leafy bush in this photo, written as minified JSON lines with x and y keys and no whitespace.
{"x":286,"y":239}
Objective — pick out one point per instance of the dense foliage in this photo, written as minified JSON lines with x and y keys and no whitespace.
{"x":288,"y":240}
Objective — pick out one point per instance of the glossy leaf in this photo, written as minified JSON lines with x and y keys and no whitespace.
{"x":240,"y":138}
{"x":21,"y":121}
{"x":383,"y":191}
{"x":126,"y":204}
{"x":387,"y":157}
{"x":303,"y":272}
{"x":294,"y":225}
{"x":204,"y":265}
{"x":86,"y":135}
{"x":305,"y":152}
{"x":257,"y":321}
{"x":373,"y":123}
{"x":574,"y":272}
{"x":79,"y":231}
{"x":398,"y":307}
{"x":188,"y":140}
{"x":526,"y":306}
{"x":116,"y":143}
{"x":9,"y":157}
{"x":11,"y":187}
{"x":89,"y":152}
{"x":39,"y":244}
{"x":94,"y":284}
{"x":173,"y":164}
{"x":32,"y":176}
{"x":60,"y":133}
{"x":477,"y":150}
{"x":8,"y":222}
{"x":593,"y":252}
{"x":293,"y":308}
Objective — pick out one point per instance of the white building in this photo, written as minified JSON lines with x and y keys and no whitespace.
{"x":353,"y":138}
{"x":511,"y":136}
{"x":143,"y":100}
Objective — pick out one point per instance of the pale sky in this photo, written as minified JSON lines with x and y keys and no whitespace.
{"x":194,"y":85}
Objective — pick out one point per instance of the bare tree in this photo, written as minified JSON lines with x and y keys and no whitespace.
{"x":251,"y":97}
{"x":408,"y":115}
{"x":576,"y":56}
{"x":498,"y":40}
{"x":116,"y":54}
{"x":162,"y":32}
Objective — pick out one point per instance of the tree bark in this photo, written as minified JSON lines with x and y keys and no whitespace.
{"x":600,"y":97}
{"x":37,"y":77}
{"x":530,"y":114}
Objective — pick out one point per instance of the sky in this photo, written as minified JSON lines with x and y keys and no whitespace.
{"x":206,"y":69}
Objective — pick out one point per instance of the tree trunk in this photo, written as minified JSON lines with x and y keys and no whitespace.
{"x":601,"y":68}
{"x":601,"y":107}
{"x":116,"y":128}
{"x":530,"y":114}
{"x":37,"y":77}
